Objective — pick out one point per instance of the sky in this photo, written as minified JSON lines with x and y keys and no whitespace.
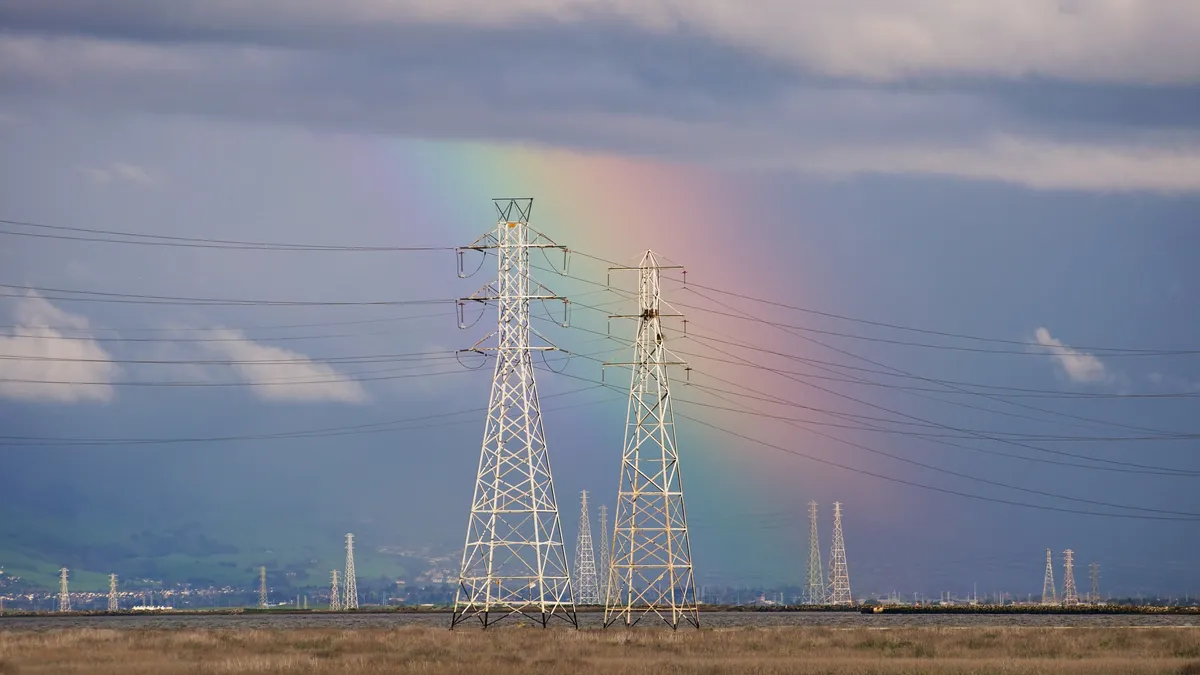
{"x":1013,"y":187}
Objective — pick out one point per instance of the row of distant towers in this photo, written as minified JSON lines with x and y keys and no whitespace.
{"x":837,"y":591}
{"x":1070,"y":595}
{"x":339,"y":598}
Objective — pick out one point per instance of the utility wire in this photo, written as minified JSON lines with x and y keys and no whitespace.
{"x":137,"y":298}
{"x":140,"y":239}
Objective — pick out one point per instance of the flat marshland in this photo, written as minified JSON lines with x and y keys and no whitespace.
{"x":513,"y":649}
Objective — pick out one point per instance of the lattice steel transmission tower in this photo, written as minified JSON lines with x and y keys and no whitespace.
{"x":113,"y":605}
{"x":514,"y":562}
{"x":1070,"y":596}
{"x":64,"y":597}
{"x":1049,"y":591}
{"x":839,"y":571}
{"x":587,"y":591}
{"x":605,"y":580}
{"x":262,"y":587}
{"x":815,"y":589}
{"x":651,"y":566}
{"x":1094,"y":572}
{"x":350,"y":593}
{"x":335,"y":600}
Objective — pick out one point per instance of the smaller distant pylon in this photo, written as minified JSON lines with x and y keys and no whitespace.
{"x":262,"y":587}
{"x":350,"y":596}
{"x":1049,"y":592}
{"x":1070,"y":596}
{"x":335,"y":602}
{"x":1094,"y":596}
{"x":112,"y":593}
{"x":839,"y":570}
{"x":64,"y":597}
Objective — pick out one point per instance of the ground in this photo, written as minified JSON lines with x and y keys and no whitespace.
{"x":510,"y":650}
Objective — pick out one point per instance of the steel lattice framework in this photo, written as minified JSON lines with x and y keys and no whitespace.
{"x":113,"y":605}
{"x":839,"y":571}
{"x":1070,"y":595}
{"x":335,"y":600}
{"x":1049,"y":592}
{"x":64,"y":597}
{"x":651,"y":565}
{"x":1094,"y":572}
{"x":350,"y":593}
{"x":262,"y":587}
{"x":587,"y":590}
{"x":605,"y":580}
{"x":815,"y":589}
{"x":514,"y":562}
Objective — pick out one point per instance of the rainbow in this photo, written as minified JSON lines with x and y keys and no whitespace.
{"x":616,"y":207}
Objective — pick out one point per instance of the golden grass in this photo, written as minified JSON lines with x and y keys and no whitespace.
{"x":510,"y":650}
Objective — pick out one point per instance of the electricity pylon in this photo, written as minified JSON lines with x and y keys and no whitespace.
{"x":1094,"y":572}
{"x":1049,"y":592}
{"x":815,"y":589}
{"x":1070,"y":596}
{"x":112,"y":593}
{"x":605,"y":581}
{"x":350,"y":595}
{"x":587,"y":592}
{"x":335,"y":601}
{"x":651,"y":565}
{"x":64,"y":597}
{"x":514,"y":563}
{"x":262,"y":587}
{"x":839,"y":571}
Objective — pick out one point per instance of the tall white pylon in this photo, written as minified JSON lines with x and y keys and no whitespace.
{"x":335,"y":601}
{"x":1049,"y":592}
{"x":64,"y":597}
{"x":350,"y":594}
{"x":651,"y":565}
{"x":839,"y":571}
{"x":113,"y":605}
{"x":514,"y":562}
{"x":605,"y":581}
{"x":587,"y":591}
{"x":815,"y":590}
{"x":1070,"y":595}
{"x":262,"y":587}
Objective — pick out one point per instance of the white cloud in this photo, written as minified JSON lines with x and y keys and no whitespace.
{"x":299,"y":379}
{"x":37,"y":341}
{"x":1031,"y":162}
{"x":1137,"y":41}
{"x":1079,"y":366}
{"x":122,"y":172}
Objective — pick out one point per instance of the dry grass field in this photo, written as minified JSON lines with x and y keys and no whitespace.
{"x":511,"y":650}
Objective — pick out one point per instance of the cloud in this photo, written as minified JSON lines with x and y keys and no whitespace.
{"x":36,"y":341}
{"x":299,"y":379}
{"x":1077,"y":365}
{"x":645,"y":95}
{"x":873,"y":40}
{"x":119,"y":172}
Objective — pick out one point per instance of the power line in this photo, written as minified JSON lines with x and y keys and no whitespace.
{"x":373,"y":427}
{"x":138,"y":298}
{"x":140,"y":239}
{"x":894,"y":479}
{"x":1130,"y":465}
{"x":1109,"y":351}
{"x":966,"y":476}
{"x":988,"y":396}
